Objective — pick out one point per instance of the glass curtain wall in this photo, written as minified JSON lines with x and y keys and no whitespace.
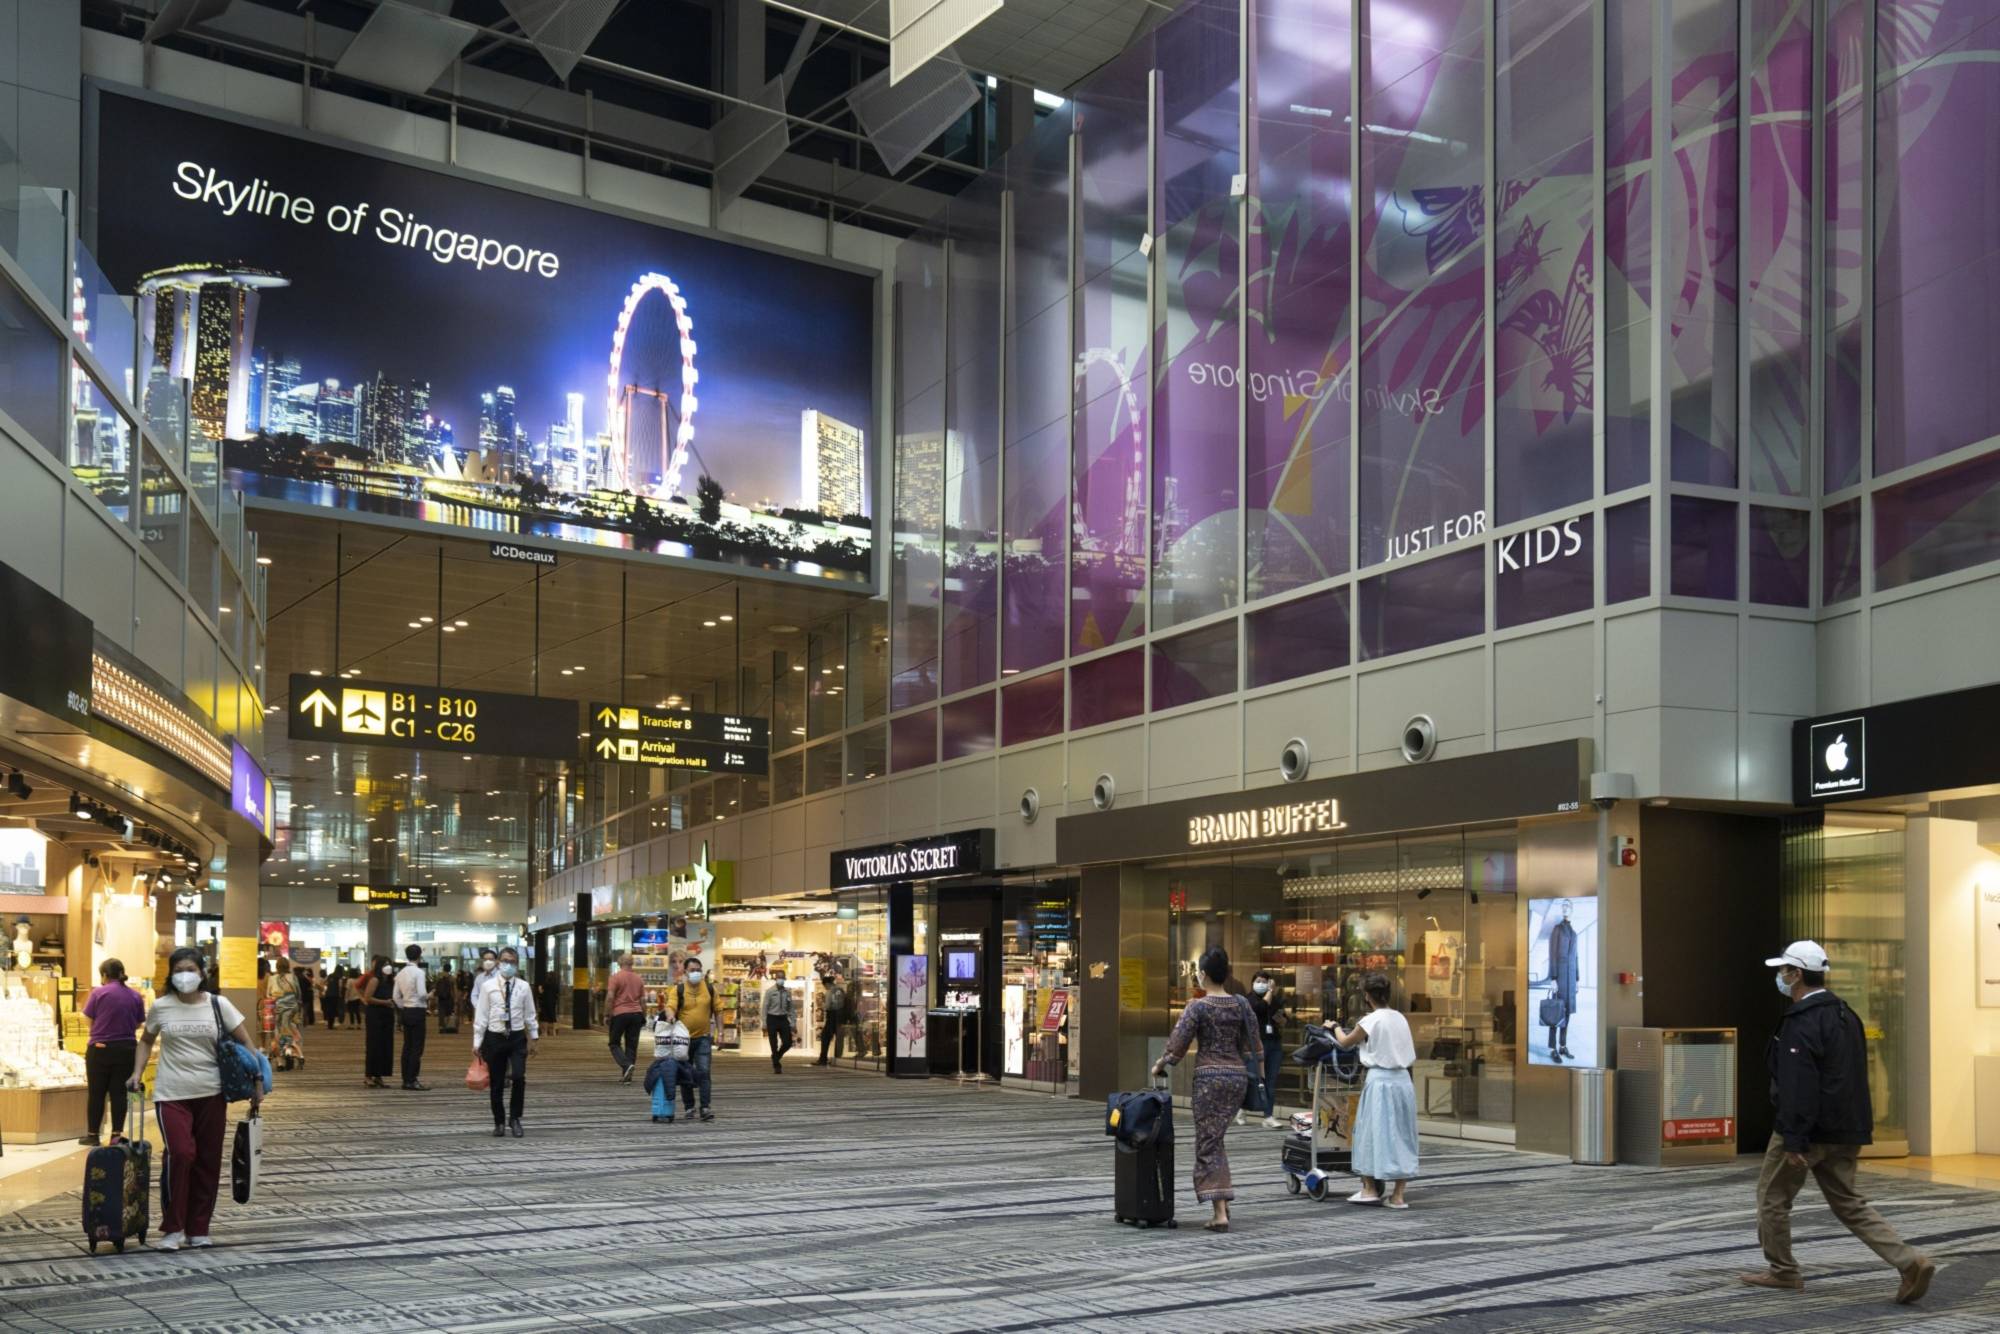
{"x":1439,"y":914}
{"x":1452,"y":317}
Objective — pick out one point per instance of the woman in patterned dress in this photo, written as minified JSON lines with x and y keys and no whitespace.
{"x":1224,"y":1032}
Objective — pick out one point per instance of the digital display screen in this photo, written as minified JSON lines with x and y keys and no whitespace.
{"x":1562,"y":1019}
{"x":649,"y":938}
{"x":352,"y":332}
{"x":961,"y":965}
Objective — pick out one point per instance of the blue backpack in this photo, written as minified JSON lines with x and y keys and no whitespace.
{"x":242,"y":1070}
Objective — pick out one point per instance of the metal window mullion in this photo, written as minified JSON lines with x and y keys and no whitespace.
{"x":1869,"y":74}
{"x":1489,"y":311}
{"x":1247,"y":148}
{"x":1000,"y":424}
{"x":947,"y":253}
{"x":1813,"y":480}
{"x":1073,"y":300}
{"x":1599,"y":97}
{"x":1357,"y":76}
{"x":1659,"y":73}
{"x":1151,"y":256}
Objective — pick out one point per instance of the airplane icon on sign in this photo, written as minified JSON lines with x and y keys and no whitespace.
{"x":364,"y":712}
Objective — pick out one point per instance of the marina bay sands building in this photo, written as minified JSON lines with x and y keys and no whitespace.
{"x":204,"y":321}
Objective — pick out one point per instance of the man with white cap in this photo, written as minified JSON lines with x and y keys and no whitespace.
{"x":1819,"y":1091}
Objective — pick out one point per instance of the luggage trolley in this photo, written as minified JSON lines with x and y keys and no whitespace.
{"x":1321,"y":1141}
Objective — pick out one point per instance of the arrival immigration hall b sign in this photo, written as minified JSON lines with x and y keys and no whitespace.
{"x":416,"y":717}
{"x":680,"y":739}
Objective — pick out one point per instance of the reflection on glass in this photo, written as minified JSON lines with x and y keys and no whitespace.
{"x":100,"y":445}
{"x":162,"y":512}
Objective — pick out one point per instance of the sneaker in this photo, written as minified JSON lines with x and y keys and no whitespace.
{"x":172,"y":1241}
{"x":1764,"y":1278}
{"x":418,"y":1088}
{"x":200,"y":1243}
{"x":1239,"y":1118}
{"x":707,"y":1115}
{"x":1916,"y":1281}
{"x":1272,"y":1123}
{"x":626,"y":1078}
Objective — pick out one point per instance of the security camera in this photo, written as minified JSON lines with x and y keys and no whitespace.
{"x":1604,"y":803}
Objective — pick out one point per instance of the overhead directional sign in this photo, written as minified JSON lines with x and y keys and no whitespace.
{"x":414,"y":717}
{"x":677,"y":739}
{"x":387,"y":896}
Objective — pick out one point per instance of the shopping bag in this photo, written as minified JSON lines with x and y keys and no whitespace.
{"x":245,"y":1158}
{"x":477,"y":1077}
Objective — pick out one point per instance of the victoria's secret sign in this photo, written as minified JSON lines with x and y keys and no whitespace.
{"x":967,"y":852}
{"x":1288,"y":820}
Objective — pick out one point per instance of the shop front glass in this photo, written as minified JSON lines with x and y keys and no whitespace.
{"x":1438,"y":913}
{"x":861,"y":962}
{"x":1038,"y":983}
{"x":1862,"y":930}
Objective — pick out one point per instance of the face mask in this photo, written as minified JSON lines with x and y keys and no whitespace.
{"x":1783,"y":988}
{"x":1261,"y":987}
{"x":486,"y":965}
{"x":186,"y":982}
{"x":694,"y":975}
{"x":506,"y":970}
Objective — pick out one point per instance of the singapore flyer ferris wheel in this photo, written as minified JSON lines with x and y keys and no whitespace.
{"x":650,"y":401}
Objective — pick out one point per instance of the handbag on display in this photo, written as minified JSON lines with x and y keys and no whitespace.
{"x":245,"y":1158}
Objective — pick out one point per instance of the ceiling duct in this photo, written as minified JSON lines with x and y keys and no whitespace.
{"x":902,"y":119}
{"x":405,"y":46}
{"x":562,"y":30}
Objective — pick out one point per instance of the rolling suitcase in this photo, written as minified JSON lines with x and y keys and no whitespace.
{"x":117,"y":1181}
{"x":1143,"y":1173}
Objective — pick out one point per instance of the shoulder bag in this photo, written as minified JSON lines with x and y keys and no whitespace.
{"x":241,"y":1070}
{"x":1253,"y":1060}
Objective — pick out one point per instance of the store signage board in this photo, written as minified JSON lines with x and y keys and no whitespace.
{"x":1931,"y":745}
{"x":1265,"y":824}
{"x":1548,"y":779}
{"x":387,"y":896}
{"x":420,"y":717}
{"x":679,"y":739}
{"x":249,"y":790}
{"x":966,"y":852}
{"x":46,"y":664}
{"x":1838,"y":753}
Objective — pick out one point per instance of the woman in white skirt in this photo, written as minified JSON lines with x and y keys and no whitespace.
{"x":1385,"y":1128}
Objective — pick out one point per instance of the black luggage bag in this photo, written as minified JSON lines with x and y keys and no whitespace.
{"x":117,"y":1185}
{"x":1143,"y":1173}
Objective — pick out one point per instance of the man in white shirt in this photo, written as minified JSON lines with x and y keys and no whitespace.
{"x":488,"y":974}
{"x":412,"y":999}
{"x":505,"y":1031}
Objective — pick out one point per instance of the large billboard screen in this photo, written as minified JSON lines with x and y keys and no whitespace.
{"x":367,"y":335}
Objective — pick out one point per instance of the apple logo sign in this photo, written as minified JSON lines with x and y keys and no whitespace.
{"x":1836,"y":754}
{"x":1838,"y":749}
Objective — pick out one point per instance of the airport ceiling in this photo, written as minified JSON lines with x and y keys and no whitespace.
{"x":656,"y":66}
{"x":426,"y":608}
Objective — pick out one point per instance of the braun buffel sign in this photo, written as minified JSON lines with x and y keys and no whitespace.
{"x":1249,"y":824}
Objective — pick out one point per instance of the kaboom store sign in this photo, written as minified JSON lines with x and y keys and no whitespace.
{"x":413,"y":343}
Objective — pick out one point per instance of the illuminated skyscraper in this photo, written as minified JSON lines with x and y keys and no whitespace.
{"x":832,"y":475}
{"x":260,"y":390}
{"x":204,"y":319}
{"x":282,"y":378}
{"x":335,"y":411}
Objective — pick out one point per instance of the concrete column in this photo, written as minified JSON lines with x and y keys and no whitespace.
{"x":41,"y":82}
{"x":579,"y":959}
{"x":382,"y":871}
{"x":242,"y":915}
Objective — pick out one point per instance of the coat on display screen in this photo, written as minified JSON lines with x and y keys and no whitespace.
{"x":355,"y":333}
{"x":1562,"y":1018}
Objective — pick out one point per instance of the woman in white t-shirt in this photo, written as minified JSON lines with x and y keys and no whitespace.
{"x":187,"y":1096}
{"x":1385,"y":1127}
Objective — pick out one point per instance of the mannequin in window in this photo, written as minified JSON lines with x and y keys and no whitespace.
{"x":1562,"y":978}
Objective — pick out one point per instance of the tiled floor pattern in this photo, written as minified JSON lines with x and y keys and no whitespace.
{"x":839,"y":1201}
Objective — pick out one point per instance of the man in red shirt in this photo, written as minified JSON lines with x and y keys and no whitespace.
{"x":625,"y":997}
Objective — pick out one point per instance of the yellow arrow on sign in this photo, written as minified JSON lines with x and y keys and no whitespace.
{"x":607,"y":748}
{"x":607,"y":715}
{"x":318,"y":705}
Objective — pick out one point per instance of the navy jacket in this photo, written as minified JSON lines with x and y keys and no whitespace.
{"x":1819,"y":1075}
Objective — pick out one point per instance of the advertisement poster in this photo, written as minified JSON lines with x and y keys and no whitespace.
{"x":24,"y":862}
{"x":354,"y":333}
{"x":1987,"y":955}
{"x":913,"y":998}
{"x":1014,"y":1027}
{"x":1562,"y":1020}
{"x":277,"y":937}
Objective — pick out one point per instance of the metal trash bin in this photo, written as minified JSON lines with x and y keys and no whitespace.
{"x":1593,"y":1116}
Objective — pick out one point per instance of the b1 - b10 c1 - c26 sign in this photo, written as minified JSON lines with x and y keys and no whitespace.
{"x":361,"y":334}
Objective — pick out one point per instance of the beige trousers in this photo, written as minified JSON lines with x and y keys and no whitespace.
{"x":1833,"y":1167}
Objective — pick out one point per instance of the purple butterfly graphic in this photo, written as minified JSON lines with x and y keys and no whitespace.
{"x":1449,"y":218}
{"x":1562,"y":329}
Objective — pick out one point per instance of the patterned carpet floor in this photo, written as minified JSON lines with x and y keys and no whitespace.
{"x":830,"y":1200}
